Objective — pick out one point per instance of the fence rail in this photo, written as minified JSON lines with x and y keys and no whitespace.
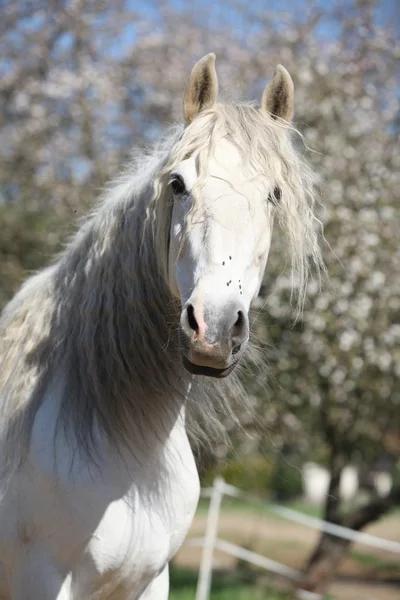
{"x":312,"y":522}
{"x":211,"y":541}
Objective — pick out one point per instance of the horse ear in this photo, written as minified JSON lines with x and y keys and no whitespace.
{"x":277,"y":98}
{"x":202,"y":90}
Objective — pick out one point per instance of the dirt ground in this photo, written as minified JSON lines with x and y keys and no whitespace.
{"x":367,"y":574}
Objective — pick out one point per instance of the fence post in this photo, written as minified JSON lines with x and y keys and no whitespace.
{"x":205,"y":572}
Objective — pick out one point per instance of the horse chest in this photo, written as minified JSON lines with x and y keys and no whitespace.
{"x":107,"y":530}
{"x":134,"y":541}
{"x":140,"y":532}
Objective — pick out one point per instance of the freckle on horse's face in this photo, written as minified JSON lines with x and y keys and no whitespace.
{"x":221,"y":229}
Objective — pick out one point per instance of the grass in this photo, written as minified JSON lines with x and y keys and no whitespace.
{"x":311,"y":510}
{"x":234,"y":505}
{"x":375,"y":562}
{"x":225,"y":586}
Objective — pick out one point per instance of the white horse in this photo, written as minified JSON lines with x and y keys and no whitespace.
{"x":98,"y":352}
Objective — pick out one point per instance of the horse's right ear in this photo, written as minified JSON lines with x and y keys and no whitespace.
{"x":202,"y":90}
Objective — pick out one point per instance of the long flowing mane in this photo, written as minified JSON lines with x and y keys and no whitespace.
{"x":100,"y":326}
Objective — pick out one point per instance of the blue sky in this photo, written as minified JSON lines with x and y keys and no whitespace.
{"x":220,"y":12}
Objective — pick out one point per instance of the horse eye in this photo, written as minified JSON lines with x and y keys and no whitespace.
{"x":275,"y":196}
{"x":177,"y":185}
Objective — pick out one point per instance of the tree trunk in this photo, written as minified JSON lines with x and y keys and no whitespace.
{"x":324,"y":563}
{"x":325,"y":559}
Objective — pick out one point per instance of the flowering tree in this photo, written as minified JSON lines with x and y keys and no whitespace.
{"x":338,"y":369}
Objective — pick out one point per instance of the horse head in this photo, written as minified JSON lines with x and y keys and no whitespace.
{"x":224,"y":197}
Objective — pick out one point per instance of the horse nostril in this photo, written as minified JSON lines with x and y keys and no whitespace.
{"x":239,"y":331}
{"x":240,"y":320}
{"x":192,"y":319}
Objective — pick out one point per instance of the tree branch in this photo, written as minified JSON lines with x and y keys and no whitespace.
{"x":373,"y":511}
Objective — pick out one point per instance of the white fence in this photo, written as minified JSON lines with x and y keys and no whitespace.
{"x":211,"y":542}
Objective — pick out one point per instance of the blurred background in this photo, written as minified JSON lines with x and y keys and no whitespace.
{"x":83,"y":82}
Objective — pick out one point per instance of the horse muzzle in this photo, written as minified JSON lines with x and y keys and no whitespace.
{"x":213,"y":341}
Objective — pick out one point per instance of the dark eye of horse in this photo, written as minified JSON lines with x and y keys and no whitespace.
{"x":275,"y":196}
{"x":177,"y":185}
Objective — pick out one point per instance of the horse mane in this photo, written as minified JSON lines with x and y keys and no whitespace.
{"x":102,"y":323}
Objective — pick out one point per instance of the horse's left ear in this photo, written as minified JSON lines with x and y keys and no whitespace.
{"x":202,"y":90}
{"x":278,"y":97}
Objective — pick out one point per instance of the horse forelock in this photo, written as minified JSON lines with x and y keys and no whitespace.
{"x":266,"y":147}
{"x":111,"y":322}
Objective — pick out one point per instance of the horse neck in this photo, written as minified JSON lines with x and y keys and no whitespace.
{"x":120,"y":323}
